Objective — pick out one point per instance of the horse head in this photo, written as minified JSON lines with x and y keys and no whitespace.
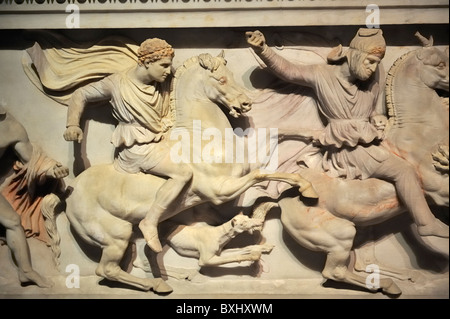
{"x":434,"y":71}
{"x":221,"y":87}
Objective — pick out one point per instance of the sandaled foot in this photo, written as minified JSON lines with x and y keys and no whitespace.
{"x":150,"y":233}
{"x":436,"y":228}
{"x":32,"y":276}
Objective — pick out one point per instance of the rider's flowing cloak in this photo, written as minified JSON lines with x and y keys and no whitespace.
{"x":286,"y":107}
{"x":58,"y":66}
{"x":26,"y":189}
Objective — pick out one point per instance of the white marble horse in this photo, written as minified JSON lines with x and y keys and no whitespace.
{"x":104,"y":203}
{"x":418,"y":124}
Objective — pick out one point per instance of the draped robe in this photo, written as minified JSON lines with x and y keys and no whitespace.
{"x":349,"y":139}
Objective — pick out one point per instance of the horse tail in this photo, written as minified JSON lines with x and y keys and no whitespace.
{"x":261,"y":211}
{"x":50,"y":207}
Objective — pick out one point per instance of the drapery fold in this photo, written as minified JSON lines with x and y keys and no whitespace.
{"x":57,"y":65}
{"x":26,"y":189}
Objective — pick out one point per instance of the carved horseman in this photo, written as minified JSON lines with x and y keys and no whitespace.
{"x":347,"y":94}
{"x":140,"y":100}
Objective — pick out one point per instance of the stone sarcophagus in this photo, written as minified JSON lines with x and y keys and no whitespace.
{"x":171,"y":149}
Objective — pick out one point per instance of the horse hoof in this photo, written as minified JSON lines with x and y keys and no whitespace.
{"x":162,"y":287}
{"x":309,"y":192}
{"x":392,"y":289}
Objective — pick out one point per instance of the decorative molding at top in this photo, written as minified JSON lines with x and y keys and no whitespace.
{"x":37,"y":14}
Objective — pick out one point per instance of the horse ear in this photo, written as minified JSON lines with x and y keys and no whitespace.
{"x":221,"y":54}
{"x":221,"y":57}
{"x":424,"y":41}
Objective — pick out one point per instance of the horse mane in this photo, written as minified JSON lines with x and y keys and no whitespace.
{"x":173,"y":84}
{"x":204,"y":60}
{"x":392,"y":112}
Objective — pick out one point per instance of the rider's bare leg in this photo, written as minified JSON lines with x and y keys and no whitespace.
{"x":411,"y":194}
{"x":179,"y":176}
{"x":16,"y":240}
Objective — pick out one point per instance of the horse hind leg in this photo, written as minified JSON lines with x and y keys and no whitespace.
{"x":317,"y":229}
{"x":115,"y":243}
{"x":337,"y":268}
{"x":365,"y":257}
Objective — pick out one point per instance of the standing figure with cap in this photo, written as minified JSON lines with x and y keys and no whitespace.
{"x":139,"y":97}
{"x":347,"y":92}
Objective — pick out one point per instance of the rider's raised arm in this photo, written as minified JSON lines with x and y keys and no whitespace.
{"x":286,"y":70}
{"x":84,"y":96}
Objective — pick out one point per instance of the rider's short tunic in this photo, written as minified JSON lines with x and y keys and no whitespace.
{"x":143,"y":113}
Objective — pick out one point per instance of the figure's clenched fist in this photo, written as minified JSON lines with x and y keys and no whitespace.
{"x":256,"y":40}
{"x":58,"y":171}
{"x":73,"y":133}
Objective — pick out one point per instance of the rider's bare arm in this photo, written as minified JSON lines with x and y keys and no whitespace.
{"x":282,"y":68}
{"x":82,"y":97}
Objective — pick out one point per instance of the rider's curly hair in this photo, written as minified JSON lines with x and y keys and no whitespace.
{"x":153,"y":50}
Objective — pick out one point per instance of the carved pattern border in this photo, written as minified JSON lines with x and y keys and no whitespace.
{"x":38,"y":14}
